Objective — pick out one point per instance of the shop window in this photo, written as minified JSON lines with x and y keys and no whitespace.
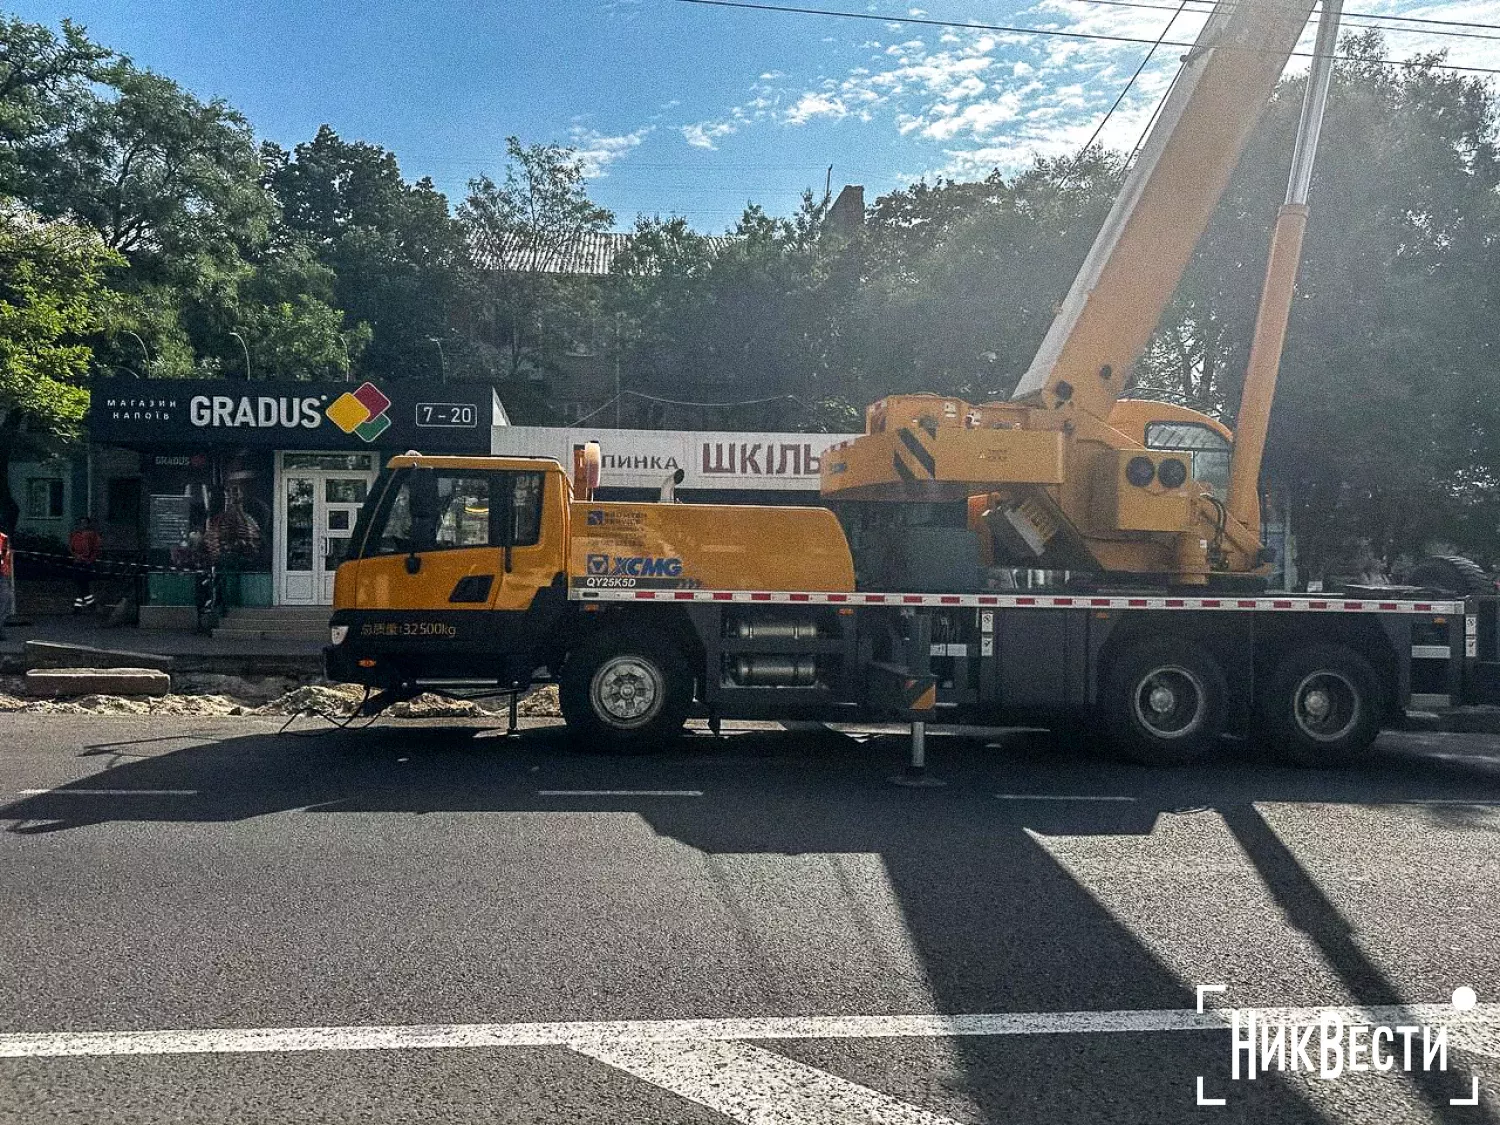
{"x":44,"y":498}
{"x":122,"y":503}
{"x":338,"y":462}
{"x":345,"y":490}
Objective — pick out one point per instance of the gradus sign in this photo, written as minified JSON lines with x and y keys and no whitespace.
{"x":376,"y":413}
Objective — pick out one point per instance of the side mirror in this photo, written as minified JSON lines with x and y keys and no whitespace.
{"x":669,"y":486}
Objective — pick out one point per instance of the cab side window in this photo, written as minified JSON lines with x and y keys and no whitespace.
{"x":524,"y":493}
{"x":394,"y":537}
{"x":463,"y":511}
{"x":445,"y":510}
{"x":1209,"y":452}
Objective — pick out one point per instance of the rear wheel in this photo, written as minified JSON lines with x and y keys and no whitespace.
{"x":1164,"y":702}
{"x":1322,"y":707}
{"x":628,"y":690}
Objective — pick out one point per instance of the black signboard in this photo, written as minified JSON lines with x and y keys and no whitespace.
{"x":385,"y":414}
{"x":169,"y":519}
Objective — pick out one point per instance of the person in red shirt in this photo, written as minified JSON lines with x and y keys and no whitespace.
{"x":7,"y":582}
{"x":85,"y":546}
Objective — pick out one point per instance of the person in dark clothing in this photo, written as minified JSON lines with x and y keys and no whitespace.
{"x":84,"y":545}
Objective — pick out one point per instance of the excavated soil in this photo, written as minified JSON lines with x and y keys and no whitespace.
{"x":269,"y":695}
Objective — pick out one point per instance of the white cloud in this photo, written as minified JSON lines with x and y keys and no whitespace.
{"x":811,"y":105}
{"x":598,"y":151}
{"x":706,"y":134}
{"x":980,"y":99}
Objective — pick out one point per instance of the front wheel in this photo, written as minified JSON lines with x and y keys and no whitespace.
{"x":627,"y":691}
{"x":1322,"y":707}
{"x":1164,"y":702}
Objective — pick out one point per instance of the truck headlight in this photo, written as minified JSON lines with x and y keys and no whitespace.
{"x":337,"y":633}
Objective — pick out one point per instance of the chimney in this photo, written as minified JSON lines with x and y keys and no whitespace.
{"x":847,"y":215}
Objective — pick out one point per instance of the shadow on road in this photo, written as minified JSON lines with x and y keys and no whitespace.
{"x":998,"y":923}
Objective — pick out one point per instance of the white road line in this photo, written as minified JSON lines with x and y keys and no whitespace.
{"x":756,"y":1086}
{"x":1060,"y":797}
{"x":108,"y":792}
{"x":619,"y":792}
{"x":232,"y":1040}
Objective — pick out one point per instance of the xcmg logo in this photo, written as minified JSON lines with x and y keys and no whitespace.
{"x":635,"y":566}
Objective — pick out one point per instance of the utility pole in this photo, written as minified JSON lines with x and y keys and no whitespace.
{"x":617,"y":370}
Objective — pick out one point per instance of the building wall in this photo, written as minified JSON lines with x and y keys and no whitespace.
{"x":49,"y":496}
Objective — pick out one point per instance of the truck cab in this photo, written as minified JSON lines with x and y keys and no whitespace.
{"x":456,"y":570}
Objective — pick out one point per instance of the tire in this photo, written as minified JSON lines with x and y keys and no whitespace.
{"x":626,"y":690}
{"x":1451,"y":574}
{"x":1164,"y":702}
{"x":1322,"y":707}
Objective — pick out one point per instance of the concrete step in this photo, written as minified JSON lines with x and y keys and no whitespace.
{"x":233,"y":632}
{"x":277,"y":614}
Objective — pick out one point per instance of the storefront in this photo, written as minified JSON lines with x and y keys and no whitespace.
{"x":263,"y":481}
{"x":717,"y":466}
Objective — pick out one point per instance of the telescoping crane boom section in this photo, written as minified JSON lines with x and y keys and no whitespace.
{"x":1067,"y":473}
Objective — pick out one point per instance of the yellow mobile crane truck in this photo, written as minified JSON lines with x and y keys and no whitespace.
{"x":490,"y":573}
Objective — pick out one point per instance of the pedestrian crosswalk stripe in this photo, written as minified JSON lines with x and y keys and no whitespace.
{"x":230,"y":1040}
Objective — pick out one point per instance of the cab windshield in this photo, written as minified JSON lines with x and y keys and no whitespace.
{"x":1207,"y":448}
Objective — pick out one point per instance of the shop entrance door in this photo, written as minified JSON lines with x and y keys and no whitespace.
{"x":318,"y":498}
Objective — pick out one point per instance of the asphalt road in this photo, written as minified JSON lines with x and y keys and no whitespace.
{"x":492,"y":929}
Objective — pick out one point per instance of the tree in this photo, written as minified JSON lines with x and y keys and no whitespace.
{"x":42,"y":79}
{"x":517,"y":235}
{"x":51,"y":293}
{"x":174,"y":185}
{"x":965,"y":278}
{"x":392,"y":247}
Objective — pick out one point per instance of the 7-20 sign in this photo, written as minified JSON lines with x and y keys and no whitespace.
{"x":447,"y":414}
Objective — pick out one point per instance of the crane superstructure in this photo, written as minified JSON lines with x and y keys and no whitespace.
{"x":1068,"y":473}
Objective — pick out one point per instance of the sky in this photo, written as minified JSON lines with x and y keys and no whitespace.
{"x":685,"y":109}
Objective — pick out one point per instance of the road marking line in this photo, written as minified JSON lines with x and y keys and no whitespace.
{"x":753,"y":1085}
{"x":619,"y":792}
{"x":232,"y":1040}
{"x":1060,"y":797}
{"x":108,"y":792}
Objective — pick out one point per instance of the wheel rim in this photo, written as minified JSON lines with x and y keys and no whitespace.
{"x":1169,"y":702}
{"x":1326,"y":705}
{"x":627,"y":691}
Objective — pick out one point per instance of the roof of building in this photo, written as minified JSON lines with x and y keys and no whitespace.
{"x":591,"y":254}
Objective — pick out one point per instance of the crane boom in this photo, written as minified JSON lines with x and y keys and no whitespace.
{"x":1145,"y":244}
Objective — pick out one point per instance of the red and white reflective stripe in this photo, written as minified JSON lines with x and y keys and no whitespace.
{"x":1019,"y":601}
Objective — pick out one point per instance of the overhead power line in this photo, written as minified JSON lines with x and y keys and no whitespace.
{"x":1436,"y":31}
{"x":1057,"y":33}
{"x":1138,"y":71}
{"x":1358,"y":15}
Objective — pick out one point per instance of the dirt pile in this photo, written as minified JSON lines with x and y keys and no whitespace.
{"x":270,"y":695}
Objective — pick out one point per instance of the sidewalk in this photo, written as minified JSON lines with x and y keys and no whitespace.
{"x":190,"y":652}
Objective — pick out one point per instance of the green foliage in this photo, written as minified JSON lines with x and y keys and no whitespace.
{"x":393,"y":250}
{"x":50,"y":296}
{"x":516,"y":235}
